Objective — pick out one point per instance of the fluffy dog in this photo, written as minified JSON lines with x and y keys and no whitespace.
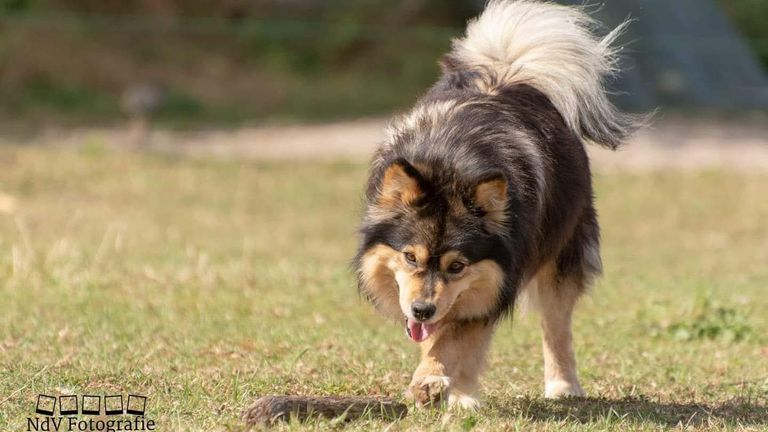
{"x":482,"y":192}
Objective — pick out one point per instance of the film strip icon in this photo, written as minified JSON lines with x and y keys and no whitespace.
{"x":46,"y":405}
{"x":113,"y":405}
{"x":136,"y":405}
{"x":91,"y":405}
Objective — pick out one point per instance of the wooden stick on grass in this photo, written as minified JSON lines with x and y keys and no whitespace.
{"x":268,"y":410}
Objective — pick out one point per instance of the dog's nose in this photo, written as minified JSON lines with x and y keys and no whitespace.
{"x":423,"y":311}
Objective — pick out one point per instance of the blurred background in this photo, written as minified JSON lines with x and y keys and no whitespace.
{"x":197,"y":63}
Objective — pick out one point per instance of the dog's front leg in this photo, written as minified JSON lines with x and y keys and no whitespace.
{"x":451,"y":362}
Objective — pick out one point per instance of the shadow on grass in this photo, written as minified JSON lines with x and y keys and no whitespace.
{"x":639,"y":409}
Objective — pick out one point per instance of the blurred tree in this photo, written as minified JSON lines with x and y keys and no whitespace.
{"x":751,"y":18}
{"x":232,"y":60}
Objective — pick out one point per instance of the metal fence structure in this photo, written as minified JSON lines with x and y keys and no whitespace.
{"x":685,"y":53}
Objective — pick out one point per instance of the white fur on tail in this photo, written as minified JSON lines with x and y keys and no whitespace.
{"x":553,"y":49}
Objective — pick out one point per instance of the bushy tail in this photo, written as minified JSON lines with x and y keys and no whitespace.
{"x":554,"y":49}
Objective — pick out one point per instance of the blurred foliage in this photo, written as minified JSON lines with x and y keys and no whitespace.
{"x":231,"y":61}
{"x":708,"y":318}
{"x":220,"y":62}
{"x":751,"y":17}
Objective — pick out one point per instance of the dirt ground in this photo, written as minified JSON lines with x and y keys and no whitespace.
{"x":670,"y":142}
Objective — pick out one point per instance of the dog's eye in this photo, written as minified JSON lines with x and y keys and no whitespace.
{"x":456,"y":267}
{"x":410,"y":257}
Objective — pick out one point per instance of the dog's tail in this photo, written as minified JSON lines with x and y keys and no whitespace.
{"x":552,"y":48}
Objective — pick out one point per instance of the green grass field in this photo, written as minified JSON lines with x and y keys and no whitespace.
{"x":204,"y":284}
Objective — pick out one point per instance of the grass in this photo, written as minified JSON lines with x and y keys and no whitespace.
{"x":203,"y":284}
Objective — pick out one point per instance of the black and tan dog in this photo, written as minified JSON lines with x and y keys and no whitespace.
{"x":482,"y":194}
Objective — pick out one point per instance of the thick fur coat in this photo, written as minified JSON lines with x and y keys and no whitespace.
{"x":482,"y":193}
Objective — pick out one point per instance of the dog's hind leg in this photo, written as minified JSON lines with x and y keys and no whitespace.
{"x":558,"y":285}
{"x":556,"y":299}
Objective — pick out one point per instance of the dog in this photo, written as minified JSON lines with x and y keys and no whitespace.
{"x":482,"y":194}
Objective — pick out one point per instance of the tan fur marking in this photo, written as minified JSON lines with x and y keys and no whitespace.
{"x":484,"y":280}
{"x":398,"y":188}
{"x":379,"y":281}
{"x":449,"y":258}
{"x":492,"y":197}
{"x":409,"y":277}
{"x":421,"y":252}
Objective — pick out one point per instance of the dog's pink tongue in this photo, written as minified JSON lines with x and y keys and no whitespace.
{"x":419,"y":331}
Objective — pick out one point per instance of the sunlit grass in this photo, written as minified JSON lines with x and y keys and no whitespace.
{"x":204,"y":284}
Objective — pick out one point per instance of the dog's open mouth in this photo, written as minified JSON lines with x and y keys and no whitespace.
{"x":418,"y":331}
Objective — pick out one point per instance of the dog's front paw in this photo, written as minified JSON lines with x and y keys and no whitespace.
{"x":556,"y":389}
{"x":430,"y":390}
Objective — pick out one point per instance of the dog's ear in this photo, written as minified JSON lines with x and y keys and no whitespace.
{"x":401,"y":184}
{"x":491,"y":197}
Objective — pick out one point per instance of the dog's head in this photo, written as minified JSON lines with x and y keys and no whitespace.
{"x":434,"y":249}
